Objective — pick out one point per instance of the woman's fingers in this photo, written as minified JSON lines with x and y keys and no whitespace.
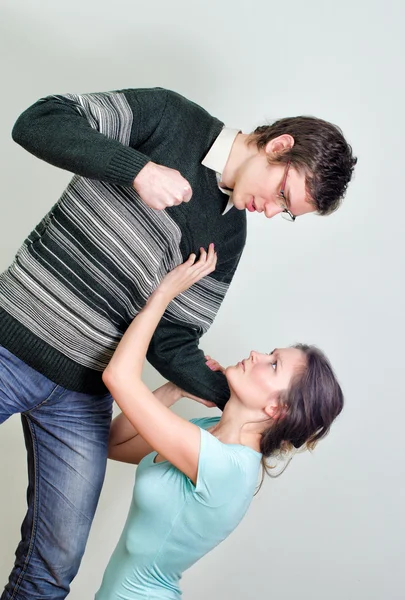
{"x":213,"y":364}
{"x":191,"y":259}
{"x":209,"y":404}
{"x":203,"y":255}
{"x":206,"y":262}
{"x":192,"y":270}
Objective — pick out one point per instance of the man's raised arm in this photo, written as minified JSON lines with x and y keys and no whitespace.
{"x":97,"y":136}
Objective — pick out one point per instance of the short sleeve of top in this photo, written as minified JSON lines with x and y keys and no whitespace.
{"x":223,"y":469}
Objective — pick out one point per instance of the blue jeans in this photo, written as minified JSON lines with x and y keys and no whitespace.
{"x":66,"y":435}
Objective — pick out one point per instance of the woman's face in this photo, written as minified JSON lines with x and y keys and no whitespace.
{"x":259,"y":379}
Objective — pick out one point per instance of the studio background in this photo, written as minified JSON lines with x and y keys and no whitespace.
{"x":332,"y":526}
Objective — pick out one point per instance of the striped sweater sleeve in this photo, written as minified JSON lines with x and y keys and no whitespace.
{"x":92,"y":135}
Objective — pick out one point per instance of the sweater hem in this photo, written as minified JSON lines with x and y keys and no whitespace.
{"x":51,"y":363}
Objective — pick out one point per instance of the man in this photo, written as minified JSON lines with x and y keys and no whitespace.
{"x":126,"y":219}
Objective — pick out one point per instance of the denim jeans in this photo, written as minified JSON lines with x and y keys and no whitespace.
{"x":66,"y":436}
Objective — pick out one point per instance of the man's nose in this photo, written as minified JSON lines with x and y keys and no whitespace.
{"x":271,"y":209}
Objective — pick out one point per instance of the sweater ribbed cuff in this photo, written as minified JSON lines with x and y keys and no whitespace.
{"x":125,"y":166}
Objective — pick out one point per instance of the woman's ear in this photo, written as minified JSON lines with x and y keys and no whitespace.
{"x":275,"y":410}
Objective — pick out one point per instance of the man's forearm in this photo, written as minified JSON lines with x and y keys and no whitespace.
{"x":174,"y":352}
{"x":88,"y":135}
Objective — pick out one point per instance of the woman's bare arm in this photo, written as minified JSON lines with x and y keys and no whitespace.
{"x":167,"y":433}
{"x":125,"y":444}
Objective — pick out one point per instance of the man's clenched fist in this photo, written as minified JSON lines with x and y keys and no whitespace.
{"x":161,"y":187}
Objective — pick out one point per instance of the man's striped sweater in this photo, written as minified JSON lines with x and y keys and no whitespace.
{"x":87,"y":269}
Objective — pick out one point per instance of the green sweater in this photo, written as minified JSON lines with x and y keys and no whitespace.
{"x":89,"y":266}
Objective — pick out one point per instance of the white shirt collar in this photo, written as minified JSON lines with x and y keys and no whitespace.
{"x":217,"y":157}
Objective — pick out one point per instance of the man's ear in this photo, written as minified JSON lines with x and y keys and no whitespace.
{"x":279,"y":144}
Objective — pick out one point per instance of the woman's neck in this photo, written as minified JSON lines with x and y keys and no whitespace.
{"x":239,"y":425}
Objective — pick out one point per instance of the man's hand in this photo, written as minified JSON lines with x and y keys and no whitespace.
{"x":161,"y":187}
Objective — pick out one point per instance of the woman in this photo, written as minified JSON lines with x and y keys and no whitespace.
{"x":196,"y":479}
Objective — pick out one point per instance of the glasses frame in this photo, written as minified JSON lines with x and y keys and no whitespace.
{"x":286,"y":214}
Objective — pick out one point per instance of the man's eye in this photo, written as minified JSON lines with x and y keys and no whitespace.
{"x":274,"y":365}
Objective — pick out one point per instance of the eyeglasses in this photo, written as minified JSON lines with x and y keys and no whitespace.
{"x":281,"y":199}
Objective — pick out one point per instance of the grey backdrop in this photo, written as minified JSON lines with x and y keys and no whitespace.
{"x":332,"y":526}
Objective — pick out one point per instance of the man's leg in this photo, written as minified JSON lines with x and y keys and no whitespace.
{"x":66,"y":434}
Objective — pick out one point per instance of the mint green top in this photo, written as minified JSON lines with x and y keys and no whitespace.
{"x":172,"y":523}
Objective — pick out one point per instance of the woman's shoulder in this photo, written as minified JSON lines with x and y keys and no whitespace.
{"x":225,"y":470}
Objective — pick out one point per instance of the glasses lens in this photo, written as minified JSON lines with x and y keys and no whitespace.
{"x":288,"y":217}
{"x":286,"y":214}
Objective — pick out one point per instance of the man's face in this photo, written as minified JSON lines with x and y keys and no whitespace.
{"x":258,"y":183}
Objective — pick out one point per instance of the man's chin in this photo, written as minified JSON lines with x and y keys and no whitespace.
{"x":239,"y":205}
{"x":245,"y":204}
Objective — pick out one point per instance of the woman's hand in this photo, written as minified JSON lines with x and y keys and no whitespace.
{"x":191,"y":271}
{"x":213,"y":364}
{"x":206,"y":403}
{"x":170,"y":393}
